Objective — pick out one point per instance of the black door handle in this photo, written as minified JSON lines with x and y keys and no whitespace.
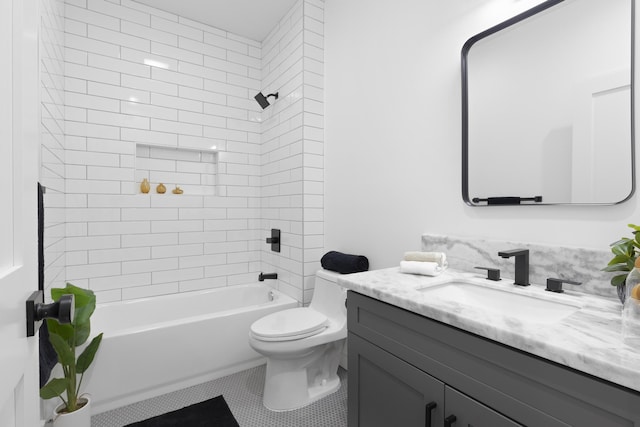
{"x":428,"y":409}
{"x":448,"y":422}
{"x":62,"y":310}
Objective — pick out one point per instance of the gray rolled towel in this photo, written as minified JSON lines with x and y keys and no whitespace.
{"x":344,"y":263}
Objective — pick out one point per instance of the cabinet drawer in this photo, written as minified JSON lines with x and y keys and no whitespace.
{"x":532,"y":390}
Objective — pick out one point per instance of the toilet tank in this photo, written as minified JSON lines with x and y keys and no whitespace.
{"x":329,"y":297}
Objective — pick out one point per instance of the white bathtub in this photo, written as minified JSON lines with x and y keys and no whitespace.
{"x":157,"y":345}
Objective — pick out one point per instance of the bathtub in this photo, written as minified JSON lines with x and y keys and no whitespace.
{"x":157,"y":345}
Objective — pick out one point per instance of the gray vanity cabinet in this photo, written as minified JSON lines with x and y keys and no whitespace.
{"x":401,"y":364}
{"x":391,"y":392}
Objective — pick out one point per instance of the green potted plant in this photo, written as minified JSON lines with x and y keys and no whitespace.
{"x":625,"y":252}
{"x":65,"y":339}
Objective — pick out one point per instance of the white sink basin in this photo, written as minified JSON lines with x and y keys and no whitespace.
{"x":511,"y":303}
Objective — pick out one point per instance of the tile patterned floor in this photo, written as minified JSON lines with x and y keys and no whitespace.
{"x":243,"y":393}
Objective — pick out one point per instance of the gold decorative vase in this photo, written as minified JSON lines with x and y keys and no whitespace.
{"x":161,"y":189}
{"x":145,"y":186}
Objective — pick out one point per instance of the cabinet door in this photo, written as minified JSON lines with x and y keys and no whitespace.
{"x":463,"y":411}
{"x":386,"y":391}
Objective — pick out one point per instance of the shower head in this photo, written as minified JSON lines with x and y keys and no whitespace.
{"x":263,"y":101}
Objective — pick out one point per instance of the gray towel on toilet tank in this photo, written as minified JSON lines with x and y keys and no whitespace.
{"x":344,"y":263}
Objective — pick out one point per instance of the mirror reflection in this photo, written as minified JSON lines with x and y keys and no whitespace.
{"x":547,"y":106}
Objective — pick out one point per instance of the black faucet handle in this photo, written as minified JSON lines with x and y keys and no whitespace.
{"x":555,"y":285}
{"x":492,"y":273}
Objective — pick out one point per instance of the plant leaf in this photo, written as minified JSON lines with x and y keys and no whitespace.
{"x":617,"y":267}
{"x":65,"y":331}
{"x":618,"y":242}
{"x":618,"y":280}
{"x":82,"y":315}
{"x":54,"y":388}
{"x":619,"y":259}
{"x":635,"y":227}
{"x":85,"y":359}
{"x":85,"y":304}
{"x":621,"y":248}
{"x":83,"y":331}
{"x":65,"y":354}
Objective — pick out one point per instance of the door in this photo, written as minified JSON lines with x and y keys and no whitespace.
{"x":387,"y":391}
{"x":19,"y":129}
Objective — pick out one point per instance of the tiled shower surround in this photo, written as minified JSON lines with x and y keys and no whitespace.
{"x":136,"y":77}
{"x":52,"y":169}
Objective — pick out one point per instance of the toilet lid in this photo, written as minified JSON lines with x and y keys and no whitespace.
{"x":294,"y":323}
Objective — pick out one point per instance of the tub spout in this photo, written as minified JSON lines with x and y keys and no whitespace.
{"x":263,"y":276}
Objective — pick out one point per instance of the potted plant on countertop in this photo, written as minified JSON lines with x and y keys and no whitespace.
{"x":625,"y":252}
{"x":75,"y":409}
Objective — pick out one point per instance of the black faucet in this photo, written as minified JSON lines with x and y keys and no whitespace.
{"x":522,"y":265}
{"x":263,"y":276}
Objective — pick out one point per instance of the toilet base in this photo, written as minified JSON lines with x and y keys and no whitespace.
{"x":292,"y":383}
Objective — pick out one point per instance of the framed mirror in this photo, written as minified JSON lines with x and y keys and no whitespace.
{"x":547,"y":107}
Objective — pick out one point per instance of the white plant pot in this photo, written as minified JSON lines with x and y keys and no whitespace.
{"x":79,"y":418}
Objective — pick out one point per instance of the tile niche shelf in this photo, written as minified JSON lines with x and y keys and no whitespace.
{"x":193,"y":170}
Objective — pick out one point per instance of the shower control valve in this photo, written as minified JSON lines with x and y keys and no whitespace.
{"x":274,"y":240}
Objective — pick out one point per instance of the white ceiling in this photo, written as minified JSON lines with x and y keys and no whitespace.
{"x":253,"y":19}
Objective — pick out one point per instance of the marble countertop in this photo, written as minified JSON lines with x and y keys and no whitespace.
{"x":588,"y":340}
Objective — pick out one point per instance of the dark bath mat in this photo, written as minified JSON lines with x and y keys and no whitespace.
{"x":210,"y":413}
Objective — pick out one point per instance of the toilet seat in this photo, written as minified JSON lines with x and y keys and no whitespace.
{"x":291,"y":324}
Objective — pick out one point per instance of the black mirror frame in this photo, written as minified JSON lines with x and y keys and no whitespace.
{"x":465,"y":104}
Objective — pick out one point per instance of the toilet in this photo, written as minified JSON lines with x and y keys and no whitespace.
{"x":303,"y":347}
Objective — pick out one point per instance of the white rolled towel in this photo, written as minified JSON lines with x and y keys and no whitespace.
{"x":424,"y":268}
{"x":438,"y":257}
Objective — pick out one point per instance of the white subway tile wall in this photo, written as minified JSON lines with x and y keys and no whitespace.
{"x":53,"y":169}
{"x":145,"y":90}
{"x":292,"y":147}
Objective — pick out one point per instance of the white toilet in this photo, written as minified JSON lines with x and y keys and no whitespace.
{"x":303,"y":347}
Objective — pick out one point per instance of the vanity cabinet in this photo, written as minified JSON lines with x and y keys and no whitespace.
{"x":392,"y":392}
{"x":408,"y":370}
